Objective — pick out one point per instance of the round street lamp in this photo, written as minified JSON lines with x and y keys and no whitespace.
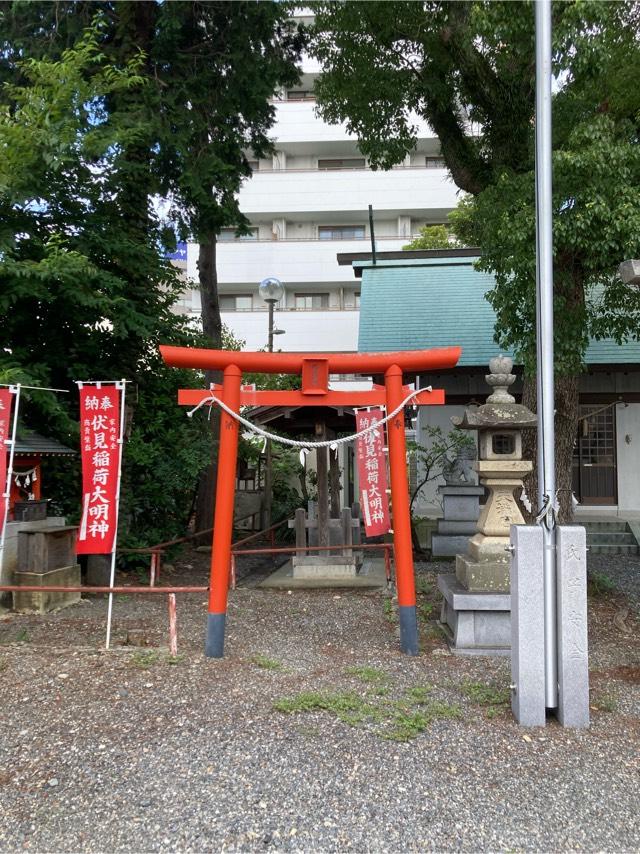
{"x":271,"y":290}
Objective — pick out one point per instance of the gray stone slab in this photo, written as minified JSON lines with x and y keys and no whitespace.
{"x":527,"y":625}
{"x":462,"y":507}
{"x":483,"y":576}
{"x":448,"y":545}
{"x":447,"y":526}
{"x":475,"y":623}
{"x":371,"y":576}
{"x":573,"y":647}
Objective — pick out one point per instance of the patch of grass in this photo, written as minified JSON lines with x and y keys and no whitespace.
{"x":420,"y":694}
{"x":492,"y":698}
{"x":23,"y":636}
{"x":423,"y":586}
{"x":370,"y":675}
{"x":389,"y":611}
{"x":425,"y":611}
{"x":266,"y":663}
{"x":605,"y":703}
{"x":396,"y":720}
{"x":599,"y":584}
{"x":175,"y":659}
{"x":145,"y":660}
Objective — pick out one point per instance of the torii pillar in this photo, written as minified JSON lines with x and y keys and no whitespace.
{"x":315,"y":369}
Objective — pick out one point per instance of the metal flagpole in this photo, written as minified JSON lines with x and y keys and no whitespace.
{"x":15,"y":389}
{"x":121,"y":386}
{"x":545,"y":356}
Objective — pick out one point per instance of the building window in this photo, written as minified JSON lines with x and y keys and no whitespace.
{"x":228,"y":235}
{"x":340,"y":232}
{"x":356,"y":298}
{"x":434,"y":163}
{"x":300,"y":95}
{"x":236,"y":302}
{"x":254,"y":165}
{"x":309,"y":302}
{"x":342,"y":163}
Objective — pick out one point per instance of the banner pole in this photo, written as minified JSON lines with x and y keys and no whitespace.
{"x":121,"y":386}
{"x":15,"y":389}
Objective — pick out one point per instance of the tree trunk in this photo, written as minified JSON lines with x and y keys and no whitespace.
{"x":566,"y":427}
{"x":212,"y":328}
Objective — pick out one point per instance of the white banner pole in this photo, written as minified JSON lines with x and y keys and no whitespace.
{"x":14,"y":389}
{"x":121,"y":386}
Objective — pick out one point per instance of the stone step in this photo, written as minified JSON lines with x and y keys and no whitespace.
{"x":614,"y":550}
{"x":611,"y":538}
{"x":613,"y":525}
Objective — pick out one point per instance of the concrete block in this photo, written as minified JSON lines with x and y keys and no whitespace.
{"x":527,"y":625}
{"x":449,"y":545}
{"x":314,"y":566}
{"x":456,"y":527}
{"x":482,"y":576}
{"x":98,"y":570}
{"x":573,"y":648}
{"x":42,"y":603}
{"x":475,"y":623}
{"x":460,"y":506}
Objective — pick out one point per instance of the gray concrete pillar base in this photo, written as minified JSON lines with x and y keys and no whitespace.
{"x":214,"y":645}
{"x":408,"y":629}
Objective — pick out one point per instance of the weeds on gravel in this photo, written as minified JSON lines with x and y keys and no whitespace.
{"x":599,"y":584}
{"x":23,"y":636}
{"x":489,"y":696}
{"x":371,"y":675}
{"x":423,"y":586}
{"x":266,"y":663}
{"x":389,"y":611}
{"x":425,"y":611}
{"x":145,"y":660}
{"x":396,"y":720}
{"x":3,"y":664}
{"x":605,"y":703}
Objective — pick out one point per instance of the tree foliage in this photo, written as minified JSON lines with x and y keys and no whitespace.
{"x":468,"y":70}
{"x":433,"y":237}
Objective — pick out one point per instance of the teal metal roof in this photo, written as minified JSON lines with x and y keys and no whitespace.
{"x":421,"y":303}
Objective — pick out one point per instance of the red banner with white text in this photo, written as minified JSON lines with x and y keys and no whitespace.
{"x":6,"y":401}
{"x":99,"y":435}
{"x":372,"y":473}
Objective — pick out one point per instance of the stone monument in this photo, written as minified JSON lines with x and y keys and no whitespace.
{"x":460,"y":505}
{"x":476,"y":606}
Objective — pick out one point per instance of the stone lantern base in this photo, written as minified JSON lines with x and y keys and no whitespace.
{"x":475,"y":623}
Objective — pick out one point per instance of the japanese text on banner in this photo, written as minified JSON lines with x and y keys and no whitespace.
{"x":372,"y":473}
{"x":6,"y":401}
{"x":99,"y":434}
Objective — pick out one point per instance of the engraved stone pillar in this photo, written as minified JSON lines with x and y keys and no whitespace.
{"x":527,"y":626}
{"x":573,"y":651}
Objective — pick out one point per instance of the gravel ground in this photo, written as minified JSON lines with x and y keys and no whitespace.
{"x":131,"y":751}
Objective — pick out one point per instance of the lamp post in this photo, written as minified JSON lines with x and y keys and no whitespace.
{"x":629,"y":271}
{"x":271,"y":291}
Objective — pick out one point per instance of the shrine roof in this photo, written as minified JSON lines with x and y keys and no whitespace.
{"x":28,"y":443}
{"x":422,"y":302}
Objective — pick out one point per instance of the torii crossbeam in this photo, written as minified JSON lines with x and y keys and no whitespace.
{"x":315,"y":369}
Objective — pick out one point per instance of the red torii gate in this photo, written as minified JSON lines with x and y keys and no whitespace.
{"x":315,"y":369}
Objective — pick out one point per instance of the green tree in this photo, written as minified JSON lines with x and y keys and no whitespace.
{"x":468,"y":69}
{"x":68,"y":306}
{"x":433,"y":237}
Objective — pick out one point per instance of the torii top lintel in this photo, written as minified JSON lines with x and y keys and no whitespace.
{"x":294,"y":363}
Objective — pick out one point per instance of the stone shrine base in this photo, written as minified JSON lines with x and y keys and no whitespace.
{"x":370,"y":576}
{"x":475,"y":623}
{"x":42,"y":603}
{"x":324,"y":566}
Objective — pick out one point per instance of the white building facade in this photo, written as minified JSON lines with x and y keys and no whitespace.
{"x":307,"y":203}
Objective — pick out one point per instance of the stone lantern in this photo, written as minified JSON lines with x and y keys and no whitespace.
{"x":476,"y":604}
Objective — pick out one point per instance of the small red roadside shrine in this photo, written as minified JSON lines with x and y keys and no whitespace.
{"x":315,"y":369}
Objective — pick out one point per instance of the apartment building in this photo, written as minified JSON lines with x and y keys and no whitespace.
{"x":307,"y":203}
